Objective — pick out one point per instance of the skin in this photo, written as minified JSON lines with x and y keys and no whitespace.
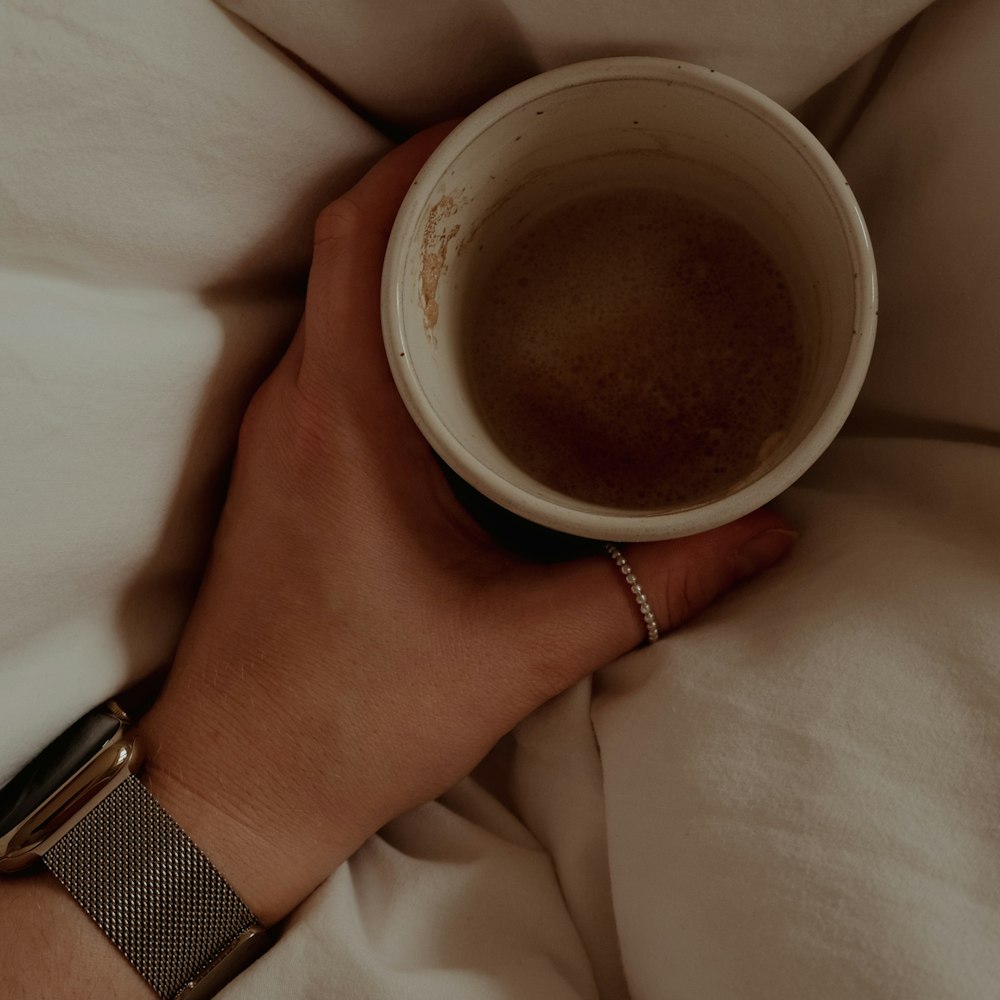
{"x":359,"y":642}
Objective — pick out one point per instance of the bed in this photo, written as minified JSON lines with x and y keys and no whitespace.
{"x":794,"y":796}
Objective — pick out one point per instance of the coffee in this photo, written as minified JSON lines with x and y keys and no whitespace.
{"x":635,"y":349}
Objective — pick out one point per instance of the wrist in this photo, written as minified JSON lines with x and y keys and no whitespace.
{"x":258,"y":827}
{"x":82,"y":808}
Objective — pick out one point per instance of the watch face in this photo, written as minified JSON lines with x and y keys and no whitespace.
{"x":54,"y":766}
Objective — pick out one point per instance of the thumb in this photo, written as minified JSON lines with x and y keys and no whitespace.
{"x":587,"y":610}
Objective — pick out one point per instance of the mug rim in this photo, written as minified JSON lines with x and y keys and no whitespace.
{"x":630,"y":525}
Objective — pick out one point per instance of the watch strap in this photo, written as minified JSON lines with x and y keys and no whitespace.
{"x":152,"y":891}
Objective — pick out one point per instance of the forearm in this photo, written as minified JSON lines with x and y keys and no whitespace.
{"x":51,"y":948}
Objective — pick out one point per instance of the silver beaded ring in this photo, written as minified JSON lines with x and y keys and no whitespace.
{"x":652,"y":630}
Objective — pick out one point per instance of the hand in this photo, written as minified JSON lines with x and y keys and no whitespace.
{"x":359,"y":642}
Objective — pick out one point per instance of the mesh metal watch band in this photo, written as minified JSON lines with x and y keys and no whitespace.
{"x":159,"y":899}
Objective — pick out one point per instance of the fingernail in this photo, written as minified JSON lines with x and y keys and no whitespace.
{"x":764,"y":550}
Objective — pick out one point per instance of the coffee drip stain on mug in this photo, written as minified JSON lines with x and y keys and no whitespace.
{"x":434,"y":256}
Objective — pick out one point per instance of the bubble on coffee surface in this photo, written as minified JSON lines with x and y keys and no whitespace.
{"x":635,"y":349}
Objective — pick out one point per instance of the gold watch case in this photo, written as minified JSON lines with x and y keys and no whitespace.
{"x":119,"y":755}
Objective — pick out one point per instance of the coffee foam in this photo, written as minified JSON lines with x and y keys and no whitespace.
{"x":634,"y":349}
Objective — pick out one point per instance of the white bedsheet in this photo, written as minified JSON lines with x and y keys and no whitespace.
{"x":797,"y":795}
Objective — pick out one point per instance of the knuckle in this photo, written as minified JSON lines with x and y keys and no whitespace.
{"x":338,"y":222}
{"x":254,"y":424}
{"x":284,"y":429}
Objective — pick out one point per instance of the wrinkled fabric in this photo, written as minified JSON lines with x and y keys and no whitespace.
{"x":796,"y":794}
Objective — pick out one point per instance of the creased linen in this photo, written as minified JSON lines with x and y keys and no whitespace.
{"x":793,"y":796}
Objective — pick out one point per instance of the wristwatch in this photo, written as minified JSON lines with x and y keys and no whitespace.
{"x":80,"y":808}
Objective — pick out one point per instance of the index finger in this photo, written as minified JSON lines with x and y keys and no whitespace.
{"x":342,"y":306}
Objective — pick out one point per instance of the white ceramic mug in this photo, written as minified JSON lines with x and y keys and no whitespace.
{"x":611,"y":124}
